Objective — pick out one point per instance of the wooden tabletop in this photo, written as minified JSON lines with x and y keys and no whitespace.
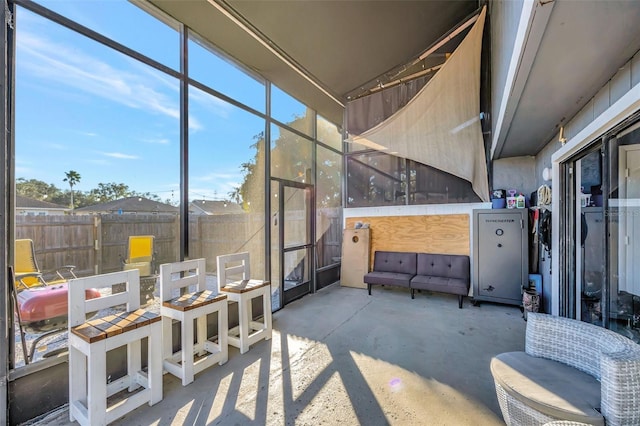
{"x":190,"y":301}
{"x":102,"y":328}
{"x":244,"y":286}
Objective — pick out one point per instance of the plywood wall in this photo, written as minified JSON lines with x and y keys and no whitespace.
{"x":443,"y":234}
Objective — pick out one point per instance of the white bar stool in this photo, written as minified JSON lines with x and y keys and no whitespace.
{"x":196,"y":305}
{"x":243,"y":292}
{"x":89,"y":342}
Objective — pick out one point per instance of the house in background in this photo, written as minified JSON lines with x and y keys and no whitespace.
{"x":213,"y":207}
{"x":30,"y":207}
{"x":129,"y":205}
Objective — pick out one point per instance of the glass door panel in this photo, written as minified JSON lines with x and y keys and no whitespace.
{"x":296,"y":274}
{"x":296,"y":223}
{"x":623,"y":217}
{"x":296,"y":227}
{"x":590,"y":231}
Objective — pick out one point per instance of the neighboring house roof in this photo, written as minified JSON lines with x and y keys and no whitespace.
{"x":31,"y":203}
{"x":211,"y":207}
{"x":129,"y":205}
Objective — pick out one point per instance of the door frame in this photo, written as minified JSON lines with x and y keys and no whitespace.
{"x":307,"y":286}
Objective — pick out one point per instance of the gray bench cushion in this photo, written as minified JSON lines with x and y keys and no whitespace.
{"x":444,"y":265}
{"x":392,"y":268}
{"x":388,"y":278}
{"x":399,"y":262}
{"x":550,"y":387}
{"x":440,"y":284}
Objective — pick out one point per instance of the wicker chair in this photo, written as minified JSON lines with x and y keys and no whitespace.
{"x":534,"y":388}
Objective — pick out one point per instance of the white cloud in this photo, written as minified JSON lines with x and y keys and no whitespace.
{"x":120,"y":155}
{"x":65,"y":65}
{"x":210,"y":103}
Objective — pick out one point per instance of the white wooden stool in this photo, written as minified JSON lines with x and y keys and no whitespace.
{"x":195,"y":305}
{"x":89,"y":342}
{"x":243,"y":292}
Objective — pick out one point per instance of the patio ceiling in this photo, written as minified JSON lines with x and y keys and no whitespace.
{"x":323,"y":52}
{"x":572,"y":49}
{"x":339,"y":46}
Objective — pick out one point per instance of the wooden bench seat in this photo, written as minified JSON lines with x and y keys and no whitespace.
{"x":112,"y":325}
{"x":244,"y":286}
{"x":190,"y":301}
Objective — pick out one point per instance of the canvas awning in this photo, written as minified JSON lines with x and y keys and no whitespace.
{"x":440,"y":126}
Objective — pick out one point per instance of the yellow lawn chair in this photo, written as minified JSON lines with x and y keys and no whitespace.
{"x":27,"y":273}
{"x":142,"y":257}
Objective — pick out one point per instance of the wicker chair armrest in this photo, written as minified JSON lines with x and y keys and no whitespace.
{"x":575,"y":343}
{"x":620,"y":387}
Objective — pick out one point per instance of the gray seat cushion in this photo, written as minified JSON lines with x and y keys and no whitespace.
{"x":444,"y":265}
{"x":550,"y":387}
{"x":388,"y":278}
{"x":394,"y":261}
{"x":440,"y":284}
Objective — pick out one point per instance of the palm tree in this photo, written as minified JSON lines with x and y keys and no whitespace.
{"x":72,"y":177}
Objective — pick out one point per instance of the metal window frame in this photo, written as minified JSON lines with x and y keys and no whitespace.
{"x":185,"y":82}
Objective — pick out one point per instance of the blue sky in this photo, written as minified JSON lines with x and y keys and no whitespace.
{"x":84,"y":107}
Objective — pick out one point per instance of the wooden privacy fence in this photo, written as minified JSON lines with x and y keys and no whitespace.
{"x":95,"y":244}
{"x":61,"y":240}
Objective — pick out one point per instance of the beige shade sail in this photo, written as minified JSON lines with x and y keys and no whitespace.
{"x":440,"y":126}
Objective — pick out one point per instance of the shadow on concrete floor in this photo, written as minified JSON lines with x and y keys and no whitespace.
{"x":342,"y":357}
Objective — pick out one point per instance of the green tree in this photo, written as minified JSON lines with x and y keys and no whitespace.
{"x":72,"y":177}
{"x":39,"y":190}
{"x":148,"y":195}
{"x":110,"y":191}
{"x":235,"y":195}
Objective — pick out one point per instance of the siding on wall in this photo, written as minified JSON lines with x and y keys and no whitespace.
{"x":620,"y":83}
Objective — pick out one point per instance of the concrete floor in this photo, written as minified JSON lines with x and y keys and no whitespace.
{"x":343,"y":357}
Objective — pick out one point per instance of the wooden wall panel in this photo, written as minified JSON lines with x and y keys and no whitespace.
{"x":443,"y":234}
